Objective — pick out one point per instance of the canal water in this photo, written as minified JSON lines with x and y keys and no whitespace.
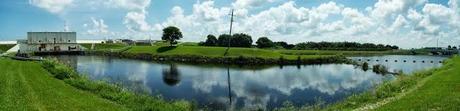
{"x":237,"y":88}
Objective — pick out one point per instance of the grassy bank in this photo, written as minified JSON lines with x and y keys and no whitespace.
{"x":5,"y":47}
{"x":191,"y":49}
{"x":27,"y":86}
{"x":49,"y":85}
{"x":441,"y":91}
{"x":104,"y":47}
{"x":213,"y":52}
{"x":435,"y":89}
{"x":200,"y":54}
{"x":133,"y":101}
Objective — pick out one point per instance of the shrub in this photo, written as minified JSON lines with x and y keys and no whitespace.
{"x":264,"y":42}
{"x":365,"y":66}
{"x":211,"y":41}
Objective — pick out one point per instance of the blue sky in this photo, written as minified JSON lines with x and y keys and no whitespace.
{"x":407,"y":23}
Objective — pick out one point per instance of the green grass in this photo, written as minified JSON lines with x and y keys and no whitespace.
{"x":6,"y":47}
{"x":105,"y":47}
{"x":441,"y":91}
{"x":188,"y":44}
{"x":434,"y":89}
{"x":135,"y":101}
{"x":27,"y":86}
{"x":49,"y":85}
{"x":215,"y":52}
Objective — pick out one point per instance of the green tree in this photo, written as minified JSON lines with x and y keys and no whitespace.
{"x":223,"y":40}
{"x":241,"y":40}
{"x":264,"y":42}
{"x":211,"y":40}
{"x":171,"y":34}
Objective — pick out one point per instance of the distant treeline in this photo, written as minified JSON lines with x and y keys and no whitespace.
{"x":344,"y":46}
{"x":245,"y":40}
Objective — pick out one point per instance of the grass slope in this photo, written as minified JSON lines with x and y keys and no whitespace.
{"x":440,"y":92}
{"x":105,"y":47}
{"x":6,"y":47}
{"x":215,"y":52}
{"x":27,"y":86}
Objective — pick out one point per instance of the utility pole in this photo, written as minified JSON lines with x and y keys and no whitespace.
{"x":228,"y":67}
{"x":437,"y":43}
{"x":230,"y":33}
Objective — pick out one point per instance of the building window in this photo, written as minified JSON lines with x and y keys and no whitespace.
{"x":69,"y":41}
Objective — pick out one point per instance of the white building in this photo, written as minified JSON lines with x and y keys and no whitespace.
{"x":49,"y":42}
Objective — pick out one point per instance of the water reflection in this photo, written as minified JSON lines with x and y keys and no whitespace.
{"x":227,"y":88}
{"x":171,"y":76}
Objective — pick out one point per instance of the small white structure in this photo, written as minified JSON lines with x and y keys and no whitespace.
{"x":49,"y":42}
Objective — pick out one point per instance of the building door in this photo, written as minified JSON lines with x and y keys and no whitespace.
{"x":42,"y":47}
{"x":57,"y":48}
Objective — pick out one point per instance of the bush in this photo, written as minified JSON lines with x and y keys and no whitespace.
{"x":211,"y":41}
{"x":365,"y":66}
{"x":264,"y":42}
{"x":237,"y":40}
{"x":58,"y":70}
{"x":380,"y":69}
{"x":241,"y":40}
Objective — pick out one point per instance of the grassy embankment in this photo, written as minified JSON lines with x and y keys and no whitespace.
{"x":441,"y":91}
{"x":27,"y":86}
{"x":215,"y":52}
{"x":36,"y":86}
{"x":435,"y":89}
{"x":5,"y":47}
{"x":105,"y":47}
{"x":192,"y":49}
{"x":213,"y":55}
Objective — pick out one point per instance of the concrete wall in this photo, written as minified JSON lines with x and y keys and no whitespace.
{"x":49,"y":42}
{"x":51,"y":37}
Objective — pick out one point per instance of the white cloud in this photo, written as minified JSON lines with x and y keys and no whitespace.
{"x":386,"y":21}
{"x":53,"y":6}
{"x":135,"y":19}
{"x":135,"y":5}
{"x":438,"y":13}
{"x":245,"y":4}
{"x":399,"y":23}
{"x":386,"y":8}
{"x":205,"y":19}
{"x":98,"y":27}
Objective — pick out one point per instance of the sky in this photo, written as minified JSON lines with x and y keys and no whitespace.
{"x":406,"y":23}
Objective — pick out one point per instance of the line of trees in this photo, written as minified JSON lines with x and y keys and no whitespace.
{"x":172,"y":34}
{"x":343,"y":46}
{"x":236,"y":40}
{"x":245,"y":40}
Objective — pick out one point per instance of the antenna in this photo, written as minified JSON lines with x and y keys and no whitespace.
{"x":66,"y":28}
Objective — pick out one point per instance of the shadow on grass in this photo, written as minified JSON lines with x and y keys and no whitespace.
{"x":165,"y":48}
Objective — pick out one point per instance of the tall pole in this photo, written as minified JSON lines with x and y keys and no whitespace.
{"x":230,"y":33}
{"x":437,"y":42}
{"x":228,"y":67}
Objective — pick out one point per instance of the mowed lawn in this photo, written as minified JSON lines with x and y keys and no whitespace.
{"x":27,"y":86}
{"x":217,"y":52}
{"x":441,"y":92}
